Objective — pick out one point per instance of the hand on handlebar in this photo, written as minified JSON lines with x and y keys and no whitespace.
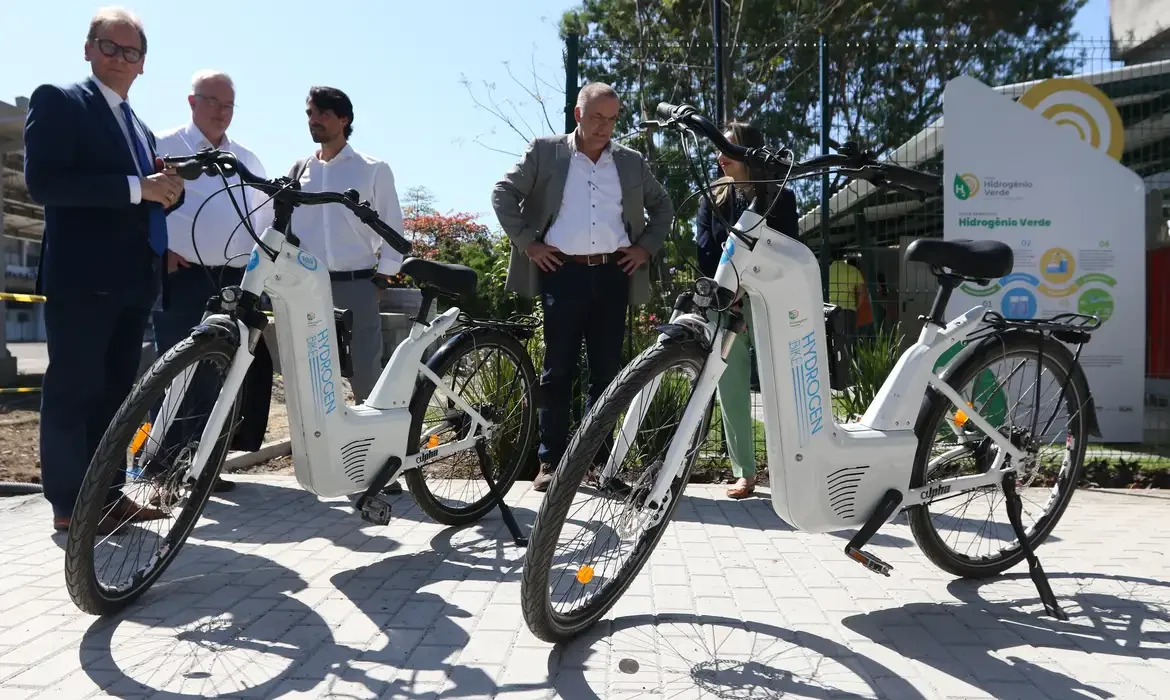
{"x":161,"y":187}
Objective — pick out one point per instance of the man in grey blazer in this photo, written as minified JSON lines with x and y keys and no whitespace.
{"x":584,"y":215}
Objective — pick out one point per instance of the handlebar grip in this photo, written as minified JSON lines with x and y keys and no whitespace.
{"x":914,"y":179}
{"x":666,"y":110}
{"x":189,"y":170}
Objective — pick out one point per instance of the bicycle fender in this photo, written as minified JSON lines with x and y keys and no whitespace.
{"x":680,"y":332}
{"x":1050,"y":348}
{"x":218,"y":326}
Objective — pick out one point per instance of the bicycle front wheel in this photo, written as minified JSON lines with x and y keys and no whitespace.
{"x":138,"y":467}
{"x":577,"y":566}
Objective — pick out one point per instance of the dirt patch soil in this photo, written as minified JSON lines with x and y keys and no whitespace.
{"x":20,"y":429}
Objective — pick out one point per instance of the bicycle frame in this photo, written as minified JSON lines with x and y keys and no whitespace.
{"x":337,"y":449}
{"x":825,"y":476}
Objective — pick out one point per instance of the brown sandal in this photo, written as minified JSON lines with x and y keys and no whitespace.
{"x":742,"y":488}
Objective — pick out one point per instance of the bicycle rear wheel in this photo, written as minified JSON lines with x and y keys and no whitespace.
{"x":1014,"y":381}
{"x":491,"y":371}
{"x":100,"y":528}
{"x":552,"y":570}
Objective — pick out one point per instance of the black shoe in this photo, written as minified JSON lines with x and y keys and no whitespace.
{"x":222,"y":485}
{"x":393,"y":488}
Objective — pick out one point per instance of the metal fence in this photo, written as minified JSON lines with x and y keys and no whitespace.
{"x":871,"y":232}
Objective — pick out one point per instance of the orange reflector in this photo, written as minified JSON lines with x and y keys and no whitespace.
{"x":961,"y":418}
{"x":140,"y":437}
{"x":585,"y":574}
{"x":433,"y":442}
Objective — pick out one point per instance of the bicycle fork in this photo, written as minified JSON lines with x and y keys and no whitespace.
{"x":177,"y":391}
{"x":692,"y":419}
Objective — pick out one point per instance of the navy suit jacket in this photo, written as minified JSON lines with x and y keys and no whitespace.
{"x":76,"y":161}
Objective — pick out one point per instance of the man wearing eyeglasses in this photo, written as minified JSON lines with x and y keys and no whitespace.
{"x":208,"y":253}
{"x":91,"y":162}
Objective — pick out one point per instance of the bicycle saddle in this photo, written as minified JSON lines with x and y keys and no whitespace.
{"x":975,"y":259}
{"x":457,"y":280}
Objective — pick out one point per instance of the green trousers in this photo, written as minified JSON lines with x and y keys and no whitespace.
{"x":735,"y":402}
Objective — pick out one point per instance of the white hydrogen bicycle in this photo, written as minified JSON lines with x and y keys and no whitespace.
{"x":471,"y":399}
{"x":943,"y":440}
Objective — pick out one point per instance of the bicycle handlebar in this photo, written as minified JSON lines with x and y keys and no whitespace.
{"x":191,"y":167}
{"x":849,"y":159}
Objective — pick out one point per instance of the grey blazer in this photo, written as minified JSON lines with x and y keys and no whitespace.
{"x":528,"y":199}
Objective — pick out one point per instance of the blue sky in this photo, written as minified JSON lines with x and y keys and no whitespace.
{"x":401,"y":63}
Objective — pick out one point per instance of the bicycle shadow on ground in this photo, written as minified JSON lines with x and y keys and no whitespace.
{"x":758,"y":514}
{"x":1109,"y":617}
{"x":687,"y":655}
{"x":263,"y":512}
{"x":232,"y":625}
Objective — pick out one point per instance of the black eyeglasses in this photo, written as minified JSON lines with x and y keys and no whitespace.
{"x":216,"y":104}
{"x":111,"y":49}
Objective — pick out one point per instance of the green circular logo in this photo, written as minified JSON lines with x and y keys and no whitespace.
{"x":1096,"y":302}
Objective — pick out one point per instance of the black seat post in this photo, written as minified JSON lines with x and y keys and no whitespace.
{"x":429,"y":294}
{"x":946,"y":286}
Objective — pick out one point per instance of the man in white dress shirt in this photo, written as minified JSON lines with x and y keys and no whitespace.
{"x":584,"y":215}
{"x":207,"y":254}
{"x":352,"y":251}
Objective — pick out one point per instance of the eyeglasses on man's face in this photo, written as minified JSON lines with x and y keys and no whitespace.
{"x":217,"y":104}
{"x":110,"y":48}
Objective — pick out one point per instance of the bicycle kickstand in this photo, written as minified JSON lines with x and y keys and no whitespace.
{"x":1014,"y":507}
{"x":485,"y":465}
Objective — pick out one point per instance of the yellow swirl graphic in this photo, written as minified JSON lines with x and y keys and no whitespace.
{"x":1081,"y":108}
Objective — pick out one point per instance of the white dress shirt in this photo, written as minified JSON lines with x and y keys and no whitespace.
{"x":332,"y":232}
{"x":218,"y":227}
{"x":590,"y":219}
{"x":115,"y":101}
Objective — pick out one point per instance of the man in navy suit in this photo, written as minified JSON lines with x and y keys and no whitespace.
{"x":91,"y":163}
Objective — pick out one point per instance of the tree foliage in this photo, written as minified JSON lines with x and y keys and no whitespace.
{"x":458,"y":238}
{"x":887,"y":63}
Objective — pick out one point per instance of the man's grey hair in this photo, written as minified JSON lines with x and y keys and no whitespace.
{"x":592,"y":91}
{"x":115,"y":15}
{"x":207,"y":74}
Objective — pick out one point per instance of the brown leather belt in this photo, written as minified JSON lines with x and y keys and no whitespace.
{"x":590,"y":260}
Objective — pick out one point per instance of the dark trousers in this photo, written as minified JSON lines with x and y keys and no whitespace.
{"x":580,"y":303}
{"x":189,"y":288}
{"x":95,"y":346}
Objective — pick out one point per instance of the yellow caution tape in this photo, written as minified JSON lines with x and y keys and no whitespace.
{"x":8,"y":296}
{"x":21,"y":390}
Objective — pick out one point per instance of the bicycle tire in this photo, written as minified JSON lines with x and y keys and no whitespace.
{"x":1057,"y":359}
{"x":110,"y":456}
{"x":440,"y":363}
{"x":544,"y":622}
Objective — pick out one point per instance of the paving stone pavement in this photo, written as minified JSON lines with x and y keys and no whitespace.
{"x":279,"y":594}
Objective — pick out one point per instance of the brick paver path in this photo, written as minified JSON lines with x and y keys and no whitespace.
{"x":280,"y":594}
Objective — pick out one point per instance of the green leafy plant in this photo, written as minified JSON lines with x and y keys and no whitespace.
{"x":873,"y":360}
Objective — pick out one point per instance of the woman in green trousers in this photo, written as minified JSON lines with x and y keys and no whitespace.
{"x":732,"y":194}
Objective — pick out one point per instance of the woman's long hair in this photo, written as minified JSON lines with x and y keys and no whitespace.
{"x":748,"y":136}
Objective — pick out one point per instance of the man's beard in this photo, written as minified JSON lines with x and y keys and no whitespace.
{"x":318,"y":135}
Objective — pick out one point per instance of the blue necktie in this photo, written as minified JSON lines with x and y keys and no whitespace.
{"x":158,"y":217}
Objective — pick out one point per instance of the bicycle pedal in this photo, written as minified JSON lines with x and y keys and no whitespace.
{"x":375,"y":510}
{"x":869,"y":561}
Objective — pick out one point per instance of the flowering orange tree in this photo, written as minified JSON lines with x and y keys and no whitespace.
{"x":459,"y":238}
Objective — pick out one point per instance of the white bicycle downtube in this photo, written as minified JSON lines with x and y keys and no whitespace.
{"x":223,"y":406}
